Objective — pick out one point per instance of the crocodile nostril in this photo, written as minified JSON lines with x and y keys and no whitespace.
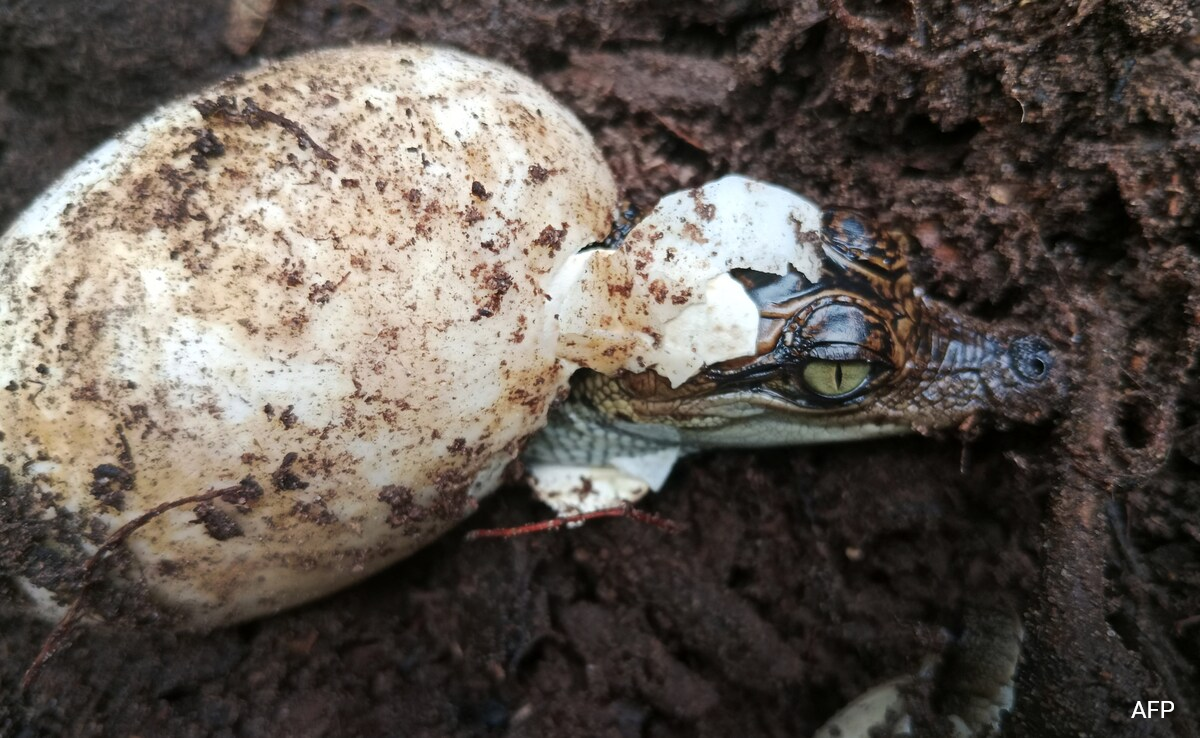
{"x":1032,"y":358}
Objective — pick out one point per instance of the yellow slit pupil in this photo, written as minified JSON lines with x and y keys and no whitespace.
{"x":836,"y":378}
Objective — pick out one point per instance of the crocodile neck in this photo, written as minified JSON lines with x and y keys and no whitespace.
{"x":581,"y":434}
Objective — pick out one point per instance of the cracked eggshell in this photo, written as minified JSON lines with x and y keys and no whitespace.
{"x":337,"y":293}
{"x":675,"y":308}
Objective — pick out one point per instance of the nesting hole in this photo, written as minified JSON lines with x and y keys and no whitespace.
{"x":1138,"y":421}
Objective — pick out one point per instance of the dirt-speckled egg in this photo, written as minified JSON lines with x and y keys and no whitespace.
{"x":323,"y":286}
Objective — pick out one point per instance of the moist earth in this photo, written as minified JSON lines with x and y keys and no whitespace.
{"x":1044,"y":154}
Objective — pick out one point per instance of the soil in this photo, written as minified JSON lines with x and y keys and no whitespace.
{"x":1047,"y":156}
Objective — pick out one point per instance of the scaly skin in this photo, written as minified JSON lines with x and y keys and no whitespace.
{"x":927,"y":367}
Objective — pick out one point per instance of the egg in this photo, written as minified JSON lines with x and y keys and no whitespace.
{"x":322,"y":286}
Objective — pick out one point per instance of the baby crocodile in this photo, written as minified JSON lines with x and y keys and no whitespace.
{"x":859,"y":352}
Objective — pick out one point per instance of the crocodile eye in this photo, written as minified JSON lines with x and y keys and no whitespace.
{"x":836,"y":378}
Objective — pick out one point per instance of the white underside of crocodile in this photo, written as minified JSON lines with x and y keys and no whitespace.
{"x":585,"y":461}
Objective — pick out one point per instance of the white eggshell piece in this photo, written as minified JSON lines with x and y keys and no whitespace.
{"x":209,"y":299}
{"x":870,"y":712}
{"x":675,"y":309}
{"x":572,"y":490}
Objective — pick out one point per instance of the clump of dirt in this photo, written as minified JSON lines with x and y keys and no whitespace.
{"x":1044,"y":154}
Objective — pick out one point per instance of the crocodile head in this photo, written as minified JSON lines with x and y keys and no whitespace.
{"x":858,"y":352}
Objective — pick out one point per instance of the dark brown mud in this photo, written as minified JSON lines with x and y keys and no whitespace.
{"x":1047,"y":156}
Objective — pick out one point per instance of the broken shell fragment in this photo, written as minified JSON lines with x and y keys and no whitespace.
{"x":675,"y":306}
{"x":324,"y":287}
{"x":973,"y":686}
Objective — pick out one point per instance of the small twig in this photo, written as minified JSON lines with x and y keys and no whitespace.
{"x":626,"y":510}
{"x":1185,"y":623}
{"x":225,"y":108}
{"x":62,"y":629}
